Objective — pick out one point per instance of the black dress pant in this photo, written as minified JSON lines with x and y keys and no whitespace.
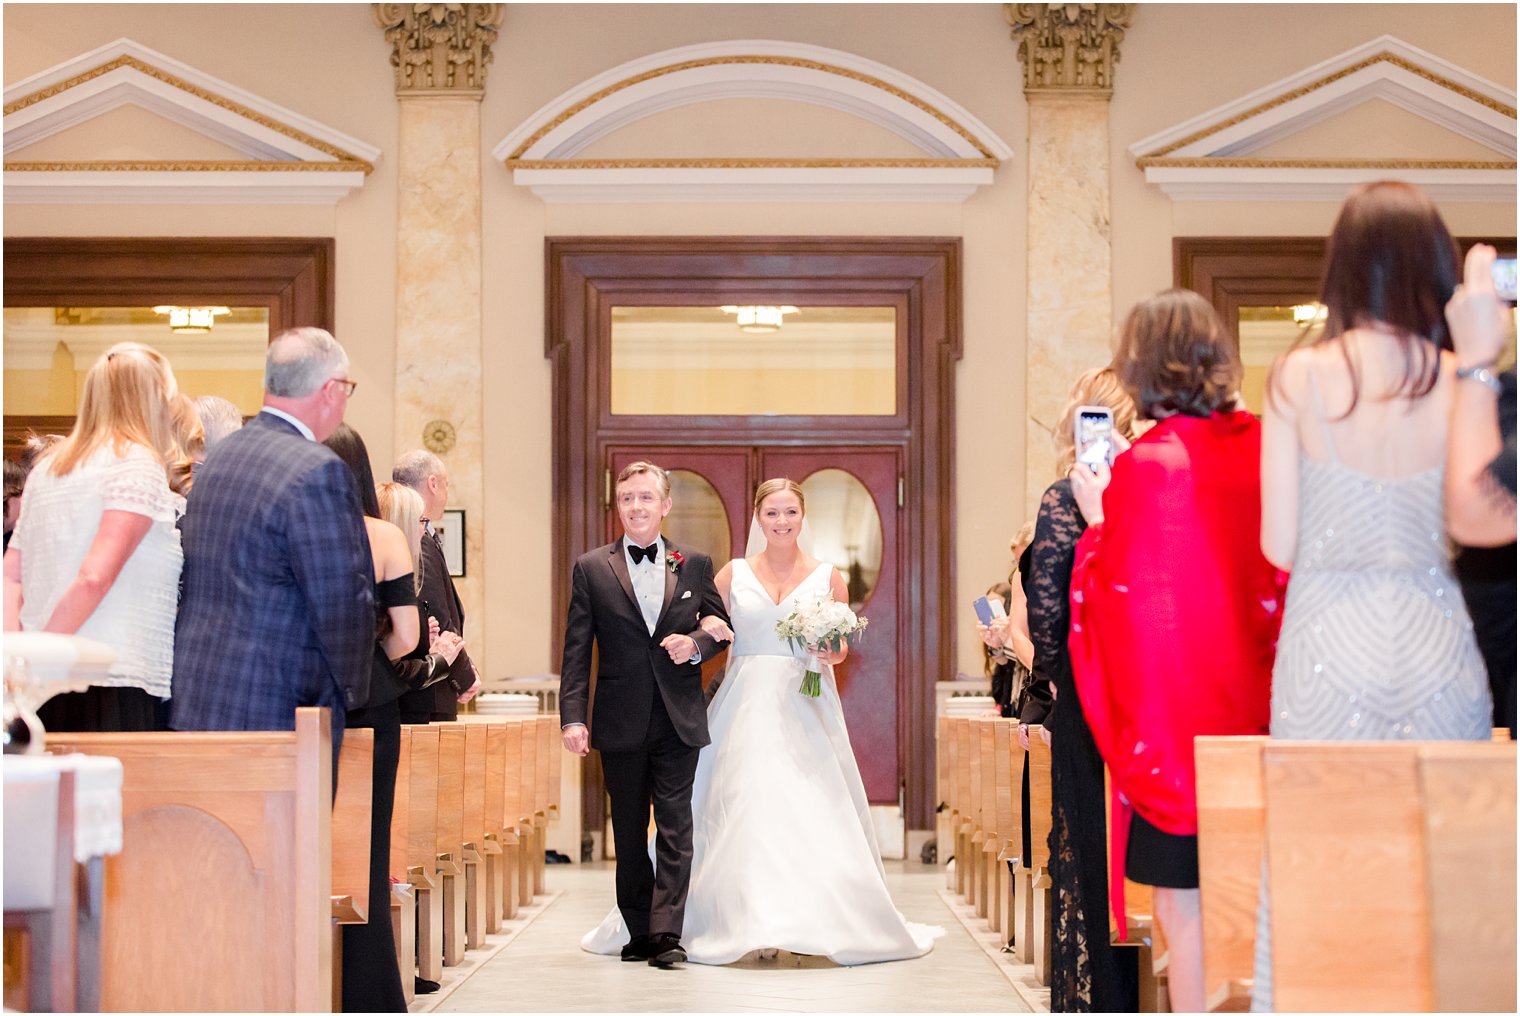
{"x":652,"y":898}
{"x":371,"y":976}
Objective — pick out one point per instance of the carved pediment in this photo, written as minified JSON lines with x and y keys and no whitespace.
{"x":949,"y":153}
{"x":248,"y":149}
{"x":1245,"y":150}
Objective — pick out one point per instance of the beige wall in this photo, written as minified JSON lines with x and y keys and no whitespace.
{"x":330,"y":63}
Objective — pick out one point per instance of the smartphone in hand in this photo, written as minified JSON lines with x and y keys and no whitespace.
{"x":984,"y":610}
{"x":1094,"y":426}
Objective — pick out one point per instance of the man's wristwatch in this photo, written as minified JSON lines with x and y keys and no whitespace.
{"x":1484,"y":375}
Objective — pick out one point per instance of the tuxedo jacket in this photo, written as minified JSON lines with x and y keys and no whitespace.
{"x":277,"y":607}
{"x":438,"y":598}
{"x":631,"y":666}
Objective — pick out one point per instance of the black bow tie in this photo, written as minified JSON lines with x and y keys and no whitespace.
{"x":640,"y":553}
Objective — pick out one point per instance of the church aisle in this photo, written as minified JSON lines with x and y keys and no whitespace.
{"x":544,"y":969}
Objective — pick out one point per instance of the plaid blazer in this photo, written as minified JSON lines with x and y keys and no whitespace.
{"x":277,"y":609}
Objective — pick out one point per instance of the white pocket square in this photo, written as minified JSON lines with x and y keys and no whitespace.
{"x":686,"y":595}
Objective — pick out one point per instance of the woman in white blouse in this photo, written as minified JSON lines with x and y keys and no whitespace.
{"x":95,"y":552}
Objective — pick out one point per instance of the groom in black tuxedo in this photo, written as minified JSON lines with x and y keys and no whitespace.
{"x":639,"y":600}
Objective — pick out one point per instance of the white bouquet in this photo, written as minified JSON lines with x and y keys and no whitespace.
{"x":816,"y":626}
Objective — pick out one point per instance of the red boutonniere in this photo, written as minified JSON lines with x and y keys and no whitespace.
{"x":674,"y":560}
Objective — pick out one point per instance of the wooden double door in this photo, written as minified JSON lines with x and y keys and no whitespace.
{"x":852,"y":499}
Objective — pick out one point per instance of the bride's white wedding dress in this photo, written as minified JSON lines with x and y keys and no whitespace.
{"x":784,"y":851}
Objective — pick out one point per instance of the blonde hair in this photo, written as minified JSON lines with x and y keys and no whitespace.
{"x":777,"y":486}
{"x":125,"y":401}
{"x":1097,"y":387}
{"x":189,"y":442}
{"x":1022,"y":539}
{"x":401,"y":506}
{"x":635,"y":468}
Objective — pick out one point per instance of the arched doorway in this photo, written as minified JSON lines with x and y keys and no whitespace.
{"x":889,"y":446}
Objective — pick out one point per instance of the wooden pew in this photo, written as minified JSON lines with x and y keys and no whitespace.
{"x":993,"y":778}
{"x":472,"y":832}
{"x":1468,"y":793}
{"x":417,"y":827}
{"x":511,"y":841}
{"x":351,"y":822}
{"x":1343,"y":825}
{"x":352,"y":811}
{"x":1231,"y":831}
{"x":955,"y":878}
{"x":1035,"y":869}
{"x":969,"y":854}
{"x":944,"y":778}
{"x":527,"y":823}
{"x":236,"y":827}
{"x":448,"y":845}
{"x":1010,"y":822}
{"x":493,"y":786}
{"x":543,"y":797}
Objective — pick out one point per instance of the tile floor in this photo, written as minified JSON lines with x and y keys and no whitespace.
{"x":543,"y":969}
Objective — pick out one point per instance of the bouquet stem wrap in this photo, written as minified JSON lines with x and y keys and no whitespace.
{"x":811,"y":684}
{"x":817,"y":627}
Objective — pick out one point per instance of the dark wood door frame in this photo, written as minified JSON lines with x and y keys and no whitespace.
{"x":1264,"y":271}
{"x":585,"y":277}
{"x":293,"y":278}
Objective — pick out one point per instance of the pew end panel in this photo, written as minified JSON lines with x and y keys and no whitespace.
{"x":1231,"y":834}
{"x":243,"y":821}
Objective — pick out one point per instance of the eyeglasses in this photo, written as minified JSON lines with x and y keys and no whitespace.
{"x":349,"y":387}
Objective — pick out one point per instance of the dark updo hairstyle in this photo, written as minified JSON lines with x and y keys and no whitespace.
{"x":1175,"y":357}
{"x":1390,"y":260}
{"x":350,"y":448}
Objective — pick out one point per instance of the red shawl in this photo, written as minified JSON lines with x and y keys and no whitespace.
{"x":1174,"y":617}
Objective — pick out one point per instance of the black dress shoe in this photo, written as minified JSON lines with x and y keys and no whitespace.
{"x":424,"y":987}
{"x":666,"y":951}
{"x":638,"y":949}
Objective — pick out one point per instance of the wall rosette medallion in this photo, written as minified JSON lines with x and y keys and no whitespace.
{"x":1069,"y":47}
{"x":440,"y":49}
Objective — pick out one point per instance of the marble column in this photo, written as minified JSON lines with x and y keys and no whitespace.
{"x":440,"y":52}
{"x":1068,"y":52}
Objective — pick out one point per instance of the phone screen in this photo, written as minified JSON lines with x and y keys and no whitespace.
{"x":1504,"y":279}
{"x":1095,"y":427}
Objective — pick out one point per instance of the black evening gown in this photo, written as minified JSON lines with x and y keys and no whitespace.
{"x":371,"y":974}
{"x":1087,"y":973}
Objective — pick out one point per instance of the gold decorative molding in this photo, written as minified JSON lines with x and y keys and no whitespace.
{"x":345,"y":160}
{"x":438,"y":436}
{"x":1068,"y":47}
{"x":516,"y":157}
{"x":440,"y":49}
{"x":202,"y":166}
{"x":1298,"y":93}
{"x":1155,"y":161}
{"x":747,"y":163}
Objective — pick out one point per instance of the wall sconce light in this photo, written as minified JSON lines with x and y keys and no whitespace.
{"x":191,"y":320}
{"x":759,"y":320}
{"x":1305,"y":313}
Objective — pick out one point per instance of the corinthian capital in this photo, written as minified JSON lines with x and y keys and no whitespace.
{"x":1068,"y":47}
{"x":440,"y":49}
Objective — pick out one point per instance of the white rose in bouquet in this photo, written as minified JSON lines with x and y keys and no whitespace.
{"x":815,"y":626}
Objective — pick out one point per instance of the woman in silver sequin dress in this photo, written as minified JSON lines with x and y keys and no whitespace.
{"x":1376,"y":643}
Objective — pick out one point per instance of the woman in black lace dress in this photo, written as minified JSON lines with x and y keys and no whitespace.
{"x":1088,"y":974}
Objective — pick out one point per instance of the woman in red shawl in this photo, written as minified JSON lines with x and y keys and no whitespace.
{"x":1175,"y":611}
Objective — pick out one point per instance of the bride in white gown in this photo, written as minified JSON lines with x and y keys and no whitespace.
{"x":784,"y":851}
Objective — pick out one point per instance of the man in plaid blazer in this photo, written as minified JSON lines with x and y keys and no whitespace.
{"x":277,"y":609}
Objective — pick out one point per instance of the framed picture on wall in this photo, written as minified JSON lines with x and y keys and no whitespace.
{"x":451,"y":531}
